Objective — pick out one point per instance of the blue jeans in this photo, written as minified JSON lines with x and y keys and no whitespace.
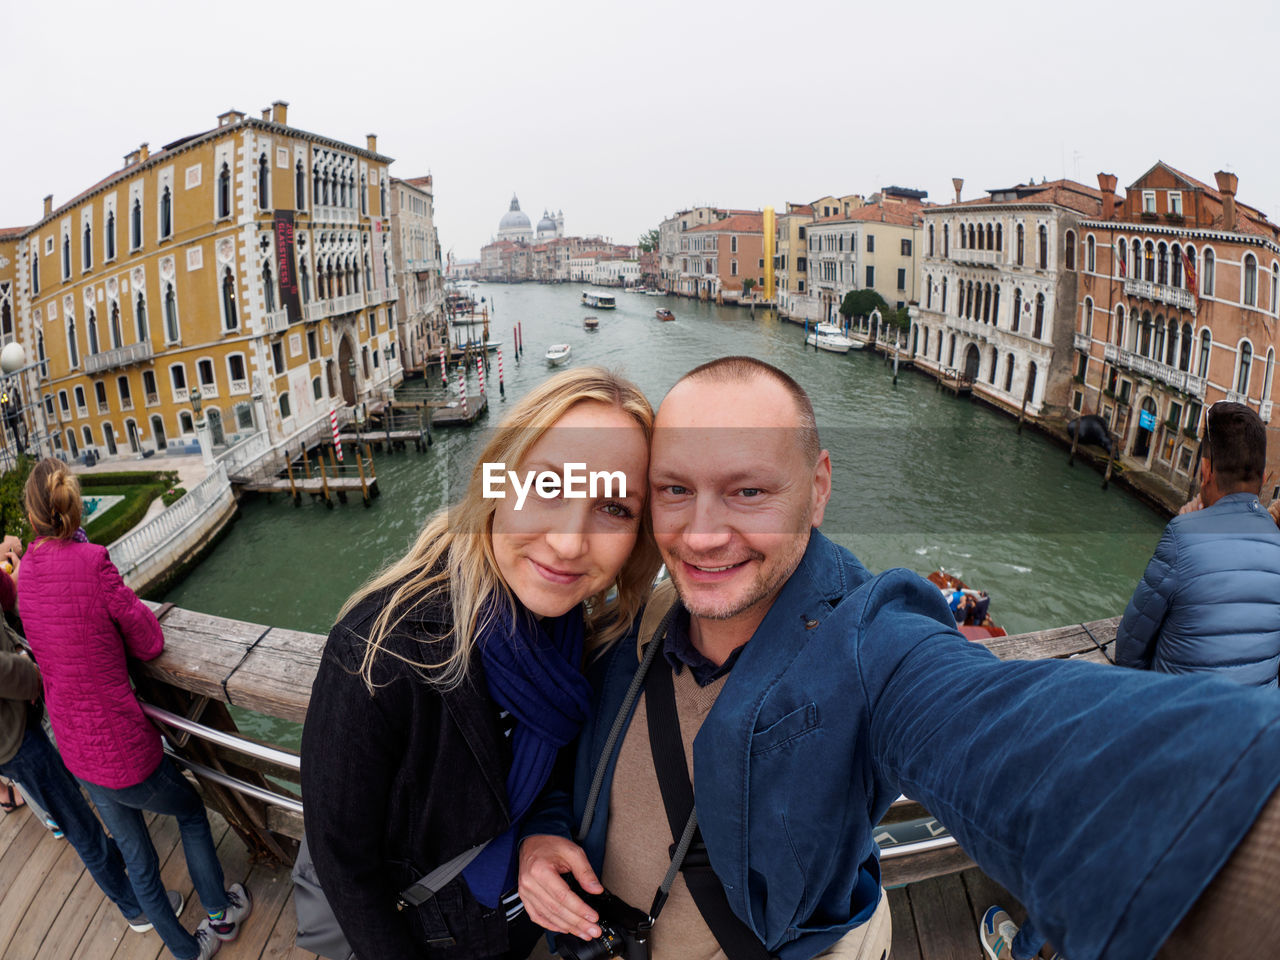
{"x":40,"y":771}
{"x":1028,"y":942}
{"x":164,"y":792}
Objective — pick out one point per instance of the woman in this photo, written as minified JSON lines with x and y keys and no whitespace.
{"x":83,"y":623}
{"x":451,"y":679}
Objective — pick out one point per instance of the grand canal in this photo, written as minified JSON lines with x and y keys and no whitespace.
{"x":921,"y":479}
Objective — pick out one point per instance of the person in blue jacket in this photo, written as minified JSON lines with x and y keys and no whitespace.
{"x":1210,"y":597}
{"x":1125,"y":809}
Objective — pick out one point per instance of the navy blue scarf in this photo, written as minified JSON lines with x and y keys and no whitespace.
{"x":533,"y":669}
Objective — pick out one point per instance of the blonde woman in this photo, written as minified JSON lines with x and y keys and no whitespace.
{"x":452,"y":679}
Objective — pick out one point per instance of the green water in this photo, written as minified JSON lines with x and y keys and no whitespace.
{"x":921,"y":480}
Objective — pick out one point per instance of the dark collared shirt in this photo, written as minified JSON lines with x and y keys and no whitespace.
{"x":680,"y":651}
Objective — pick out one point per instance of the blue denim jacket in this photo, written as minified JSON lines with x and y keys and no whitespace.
{"x":1104,"y":799}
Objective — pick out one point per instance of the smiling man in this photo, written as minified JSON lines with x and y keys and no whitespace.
{"x":799,"y":695}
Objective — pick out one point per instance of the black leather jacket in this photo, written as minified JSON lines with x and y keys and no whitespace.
{"x":398,"y":782}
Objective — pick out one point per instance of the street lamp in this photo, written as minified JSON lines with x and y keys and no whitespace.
{"x":196,"y":403}
{"x":12,"y":359}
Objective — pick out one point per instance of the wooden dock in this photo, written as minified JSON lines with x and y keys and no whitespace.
{"x":50,"y":908}
{"x":459,"y":415}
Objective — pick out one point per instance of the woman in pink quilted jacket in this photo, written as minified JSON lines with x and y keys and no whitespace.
{"x":83,"y":623}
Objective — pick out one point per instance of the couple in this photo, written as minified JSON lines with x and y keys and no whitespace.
{"x":1128,"y":811}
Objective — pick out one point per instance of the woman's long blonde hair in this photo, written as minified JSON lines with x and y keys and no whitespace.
{"x":454,"y":551}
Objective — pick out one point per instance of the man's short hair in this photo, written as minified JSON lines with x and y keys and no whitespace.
{"x":1236,"y":444}
{"x":740,"y":369}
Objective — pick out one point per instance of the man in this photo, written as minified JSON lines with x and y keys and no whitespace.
{"x":1210,"y":597}
{"x":838,"y":690}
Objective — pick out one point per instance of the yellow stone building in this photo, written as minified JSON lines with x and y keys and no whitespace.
{"x":250,"y":261}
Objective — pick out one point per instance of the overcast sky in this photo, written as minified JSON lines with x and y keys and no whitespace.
{"x":620,"y":114}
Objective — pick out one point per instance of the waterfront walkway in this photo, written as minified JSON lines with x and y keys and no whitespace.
{"x":50,"y":908}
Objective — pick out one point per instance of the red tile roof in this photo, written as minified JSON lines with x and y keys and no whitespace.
{"x":738,"y":223}
{"x":6,"y":232}
{"x":1064,"y":193}
{"x":902,"y":213}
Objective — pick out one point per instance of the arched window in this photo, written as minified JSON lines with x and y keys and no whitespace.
{"x":931,"y":239}
{"x":1184,"y":347}
{"x":1069,"y":250}
{"x":1207,"y":281}
{"x":111,"y":235}
{"x":6,"y":319}
{"x":1175,"y":265}
{"x":264,"y":182}
{"x":224,"y":191}
{"x":166,"y":213}
{"x":1145,"y":346}
{"x":364,"y":195}
{"x":1266,"y":376}
{"x":1250,"y":281}
{"x":285,"y":411}
{"x":995,"y":307}
{"x":87,"y":251}
{"x":229,"y":315}
{"x":1090,"y":254}
{"x":1117,"y":328}
{"x":951,"y":354}
{"x":40,"y":355}
{"x":320,"y":186}
{"x":185,"y":424}
{"x":140,"y":317}
{"x":1275,"y":285}
{"x":995,"y":362}
{"x":73,"y":349}
{"x":1162,"y":263}
{"x":268,"y":288}
{"x":928,"y":289}
{"x":35,"y":272}
{"x":300,"y":186}
{"x":986,"y":304}
{"x":946,"y":240}
{"x":113,"y":327}
{"x":1121,"y":266}
{"x":1039,"y":328}
{"x":991,"y":237}
{"x":382,"y":196}
{"x":66,"y":258}
{"x":999,"y":236}
{"x":1029,"y":394}
{"x":1020,"y":248}
{"x":135,"y":225}
{"x":1137,"y":260}
{"x":944,"y":292}
{"x":1246,"y":365}
{"x":1206,"y":345}
{"x":1008,"y":373}
{"x":1044,"y":247}
{"x":1017,"y":309}
{"x":92,"y":327}
{"x":1149,"y":259}
{"x":304,"y":282}
{"x":170,"y":314}
{"x":968,"y":300}
{"x":1086,"y":317}
{"x":1171,"y":343}
{"x":972,"y":245}
{"x":1189,"y":259}
{"x":368,"y":274}
{"x":317,"y":391}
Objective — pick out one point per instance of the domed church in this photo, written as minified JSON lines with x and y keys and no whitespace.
{"x":550,"y":227}
{"x":514,"y":224}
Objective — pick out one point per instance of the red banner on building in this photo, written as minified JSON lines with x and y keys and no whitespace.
{"x":286,"y":272}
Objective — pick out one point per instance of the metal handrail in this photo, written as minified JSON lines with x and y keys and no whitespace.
{"x":231,"y":783}
{"x":917,"y":846}
{"x":248,"y":747}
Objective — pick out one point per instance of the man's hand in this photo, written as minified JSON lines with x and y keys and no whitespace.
{"x":548,"y":900}
{"x":1192,"y":505}
{"x":1274,"y":510}
{"x":10,"y":544}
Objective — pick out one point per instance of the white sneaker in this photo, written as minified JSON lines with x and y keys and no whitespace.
{"x":206,"y":940}
{"x":140,"y":923}
{"x":239,"y":906}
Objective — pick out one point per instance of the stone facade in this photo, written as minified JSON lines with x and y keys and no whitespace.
{"x":416,"y":255}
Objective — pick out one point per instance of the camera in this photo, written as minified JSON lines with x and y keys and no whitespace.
{"x":624,"y":930}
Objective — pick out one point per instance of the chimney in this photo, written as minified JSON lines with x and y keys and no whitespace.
{"x":1107,"y":186}
{"x":143,"y":152}
{"x":48,"y":205}
{"x":266,"y":114}
{"x":131,"y":158}
{"x":957,"y":182}
{"x":280,"y":112}
{"x":372,"y":140}
{"x":1227,"y":183}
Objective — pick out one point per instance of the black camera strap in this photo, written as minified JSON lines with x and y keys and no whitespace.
{"x":667,"y":746}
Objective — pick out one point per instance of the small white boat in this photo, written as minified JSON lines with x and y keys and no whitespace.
{"x":558,"y":353}
{"x":827,"y":336}
{"x":654,"y":293}
{"x":591,"y":323}
{"x":599,"y":300}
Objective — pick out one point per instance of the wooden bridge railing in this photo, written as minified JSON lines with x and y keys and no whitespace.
{"x":210,"y":663}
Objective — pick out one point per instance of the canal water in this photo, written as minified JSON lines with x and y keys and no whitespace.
{"x":921,"y":479}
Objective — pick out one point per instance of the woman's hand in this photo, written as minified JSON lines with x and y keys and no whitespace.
{"x":549,"y":901}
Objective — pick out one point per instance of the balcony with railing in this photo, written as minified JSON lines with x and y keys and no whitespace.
{"x":1161,"y":293}
{"x":277,"y":321}
{"x":376,"y":296}
{"x":1234,"y":396}
{"x":333,"y":307}
{"x":119,"y":357}
{"x":985,"y":258}
{"x":1155,"y":370}
{"x":323,"y":214}
{"x":1081,"y":341}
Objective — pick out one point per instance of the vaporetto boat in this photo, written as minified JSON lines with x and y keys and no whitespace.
{"x":599,"y":300}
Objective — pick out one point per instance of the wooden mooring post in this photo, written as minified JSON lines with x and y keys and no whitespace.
{"x":364,"y":486}
{"x":293,"y":490}
{"x":324,"y":485}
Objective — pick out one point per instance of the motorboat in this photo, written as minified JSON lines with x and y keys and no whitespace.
{"x":662,"y":313}
{"x":558,"y":353}
{"x":969,"y":607}
{"x":827,"y":336}
{"x":654,"y":293}
{"x":599,"y":300}
{"x":591,"y":323}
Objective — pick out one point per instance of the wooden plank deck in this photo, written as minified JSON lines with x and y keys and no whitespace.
{"x":50,"y":908}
